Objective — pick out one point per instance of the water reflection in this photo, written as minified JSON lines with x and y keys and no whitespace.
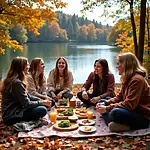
{"x":80,"y":57}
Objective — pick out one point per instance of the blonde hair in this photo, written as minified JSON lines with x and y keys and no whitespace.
{"x":131,"y":65}
{"x":16,"y":71}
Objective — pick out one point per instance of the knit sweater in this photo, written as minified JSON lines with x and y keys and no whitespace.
{"x":52,"y":86}
{"x":32,"y":89}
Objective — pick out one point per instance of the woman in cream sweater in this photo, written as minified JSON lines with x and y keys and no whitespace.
{"x":60,"y":80}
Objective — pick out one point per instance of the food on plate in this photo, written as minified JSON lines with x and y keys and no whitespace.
{"x":60,"y":114}
{"x":83,"y":114}
{"x":63,"y":102}
{"x":60,"y":109}
{"x":87,"y":128}
{"x":77,"y":112}
{"x":86,"y":121}
{"x":68,"y":112}
{"x":77,"y":109}
{"x":64,"y":123}
{"x":73,"y":118}
{"x":81,"y":111}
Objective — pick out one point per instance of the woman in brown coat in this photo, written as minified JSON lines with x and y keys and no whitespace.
{"x":130,"y":109}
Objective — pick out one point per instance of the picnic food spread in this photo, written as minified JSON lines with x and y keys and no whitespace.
{"x":63,"y":102}
{"x":85,"y":121}
{"x":64,"y":124}
{"x":87,"y":128}
{"x":70,"y":118}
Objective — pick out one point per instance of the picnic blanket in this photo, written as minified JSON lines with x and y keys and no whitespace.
{"x":101,"y":130}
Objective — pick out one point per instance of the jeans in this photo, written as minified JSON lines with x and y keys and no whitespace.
{"x":90,"y":96}
{"x":66,"y":95}
{"x":28,"y":115}
{"x":53,"y":102}
{"x":123,"y":116}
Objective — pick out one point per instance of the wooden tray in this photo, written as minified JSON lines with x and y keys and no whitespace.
{"x":73,"y":126}
{"x":75,"y":114}
{"x":66,"y":117}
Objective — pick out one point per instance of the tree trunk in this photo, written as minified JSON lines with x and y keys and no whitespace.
{"x":142,"y":30}
{"x":134,"y":29}
{"x":148,"y":29}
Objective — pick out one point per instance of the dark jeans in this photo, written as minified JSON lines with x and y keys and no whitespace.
{"x":66,"y":95}
{"x":28,"y":115}
{"x":53,"y":102}
{"x":90,"y":96}
{"x":130,"y":118}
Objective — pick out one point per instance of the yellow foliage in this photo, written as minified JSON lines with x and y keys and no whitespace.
{"x":125,"y":42}
{"x":28,"y":13}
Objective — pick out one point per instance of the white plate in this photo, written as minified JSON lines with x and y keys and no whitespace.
{"x":83,"y":129}
{"x":91,"y":122}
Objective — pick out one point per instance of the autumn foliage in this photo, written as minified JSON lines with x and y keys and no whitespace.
{"x":28,"y":13}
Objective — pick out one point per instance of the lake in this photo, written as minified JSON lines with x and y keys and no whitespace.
{"x":80,"y":57}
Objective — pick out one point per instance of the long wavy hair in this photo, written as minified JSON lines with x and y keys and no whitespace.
{"x":16,"y":71}
{"x":131,"y":65}
{"x":66,"y":72}
{"x":39,"y":79}
{"x":105,"y":70}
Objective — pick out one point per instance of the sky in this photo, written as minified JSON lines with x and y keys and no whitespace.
{"x":74,"y":7}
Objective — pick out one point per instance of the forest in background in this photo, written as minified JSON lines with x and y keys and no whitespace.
{"x":68,"y":28}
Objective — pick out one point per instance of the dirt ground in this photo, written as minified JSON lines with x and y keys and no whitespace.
{"x":9,"y":140}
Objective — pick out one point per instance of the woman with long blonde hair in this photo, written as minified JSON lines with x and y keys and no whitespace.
{"x":130,"y":109}
{"x":17,"y":104}
{"x":60,"y":80}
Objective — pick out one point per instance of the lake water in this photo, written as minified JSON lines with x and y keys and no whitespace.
{"x":80,"y":57}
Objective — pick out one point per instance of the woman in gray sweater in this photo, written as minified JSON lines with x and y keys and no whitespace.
{"x":17,"y":104}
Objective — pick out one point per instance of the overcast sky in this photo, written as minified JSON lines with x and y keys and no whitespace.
{"x":74,"y":7}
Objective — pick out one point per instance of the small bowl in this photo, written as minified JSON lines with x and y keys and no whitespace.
{"x":73,"y":118}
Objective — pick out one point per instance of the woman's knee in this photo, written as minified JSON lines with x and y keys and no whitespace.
{"x":79,"y":95}
{"x":115,"y":113}
{"x":102,"y":100}
{"x":41,"y":111}
{"x":53,"y":102}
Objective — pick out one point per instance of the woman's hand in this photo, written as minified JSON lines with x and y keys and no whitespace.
{"x":47,"y":97}
{"x":94,"y":100}
{"x":101,"y":108}
{"x":53,"y":95}
{"x":47,"y":102}
{"x":85,"y":95}
{"x":59,"y":95}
